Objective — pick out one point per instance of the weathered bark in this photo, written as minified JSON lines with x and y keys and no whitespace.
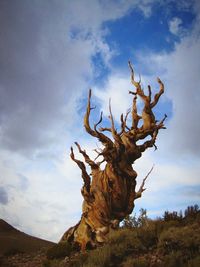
{"x":109,"y":194}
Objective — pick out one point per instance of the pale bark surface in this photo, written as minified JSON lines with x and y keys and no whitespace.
{"x":109,"y":194}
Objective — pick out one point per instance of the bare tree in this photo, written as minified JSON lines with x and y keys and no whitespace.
{"x":109,"y":194}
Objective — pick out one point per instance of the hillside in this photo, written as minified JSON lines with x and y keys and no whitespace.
{"x":14,"y":242}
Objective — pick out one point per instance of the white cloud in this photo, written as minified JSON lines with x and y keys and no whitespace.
{"x":175,"y":26}
{"x":115,"y":89}
{"x":182,"y":87}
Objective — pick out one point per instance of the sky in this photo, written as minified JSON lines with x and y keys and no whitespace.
{"x":51,"y":53}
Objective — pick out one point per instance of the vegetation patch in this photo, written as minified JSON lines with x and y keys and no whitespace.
{"x":59,"y":250}
{"x":170,"y":241}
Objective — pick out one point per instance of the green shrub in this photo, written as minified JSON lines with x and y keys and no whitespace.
{"x":126,"y":240}
{"x":59,"y":250}
{"x":120,"y":244}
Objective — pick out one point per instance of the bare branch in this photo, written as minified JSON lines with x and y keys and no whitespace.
{"x":131,"y":92}
{"x":100,"y":120}
{"x":115,"y":135}
{"x":149,"y":88}
{"x":92,"y":164}
{"x":136,"y":84}
{"x":142,"y":189}
{"x":135,"y":116}
{"x":149,"y":143}
{"x":102,"y":138}
{"x":85,"y":175}
{"x":123,"y":122}
{"x":103,"y":129}
{"x":111,"y":118}
{"x":161,"y":123}
{"x":157,"y":96}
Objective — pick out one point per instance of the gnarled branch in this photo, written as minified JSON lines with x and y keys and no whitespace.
{"x":102,"y":138}
{"x":85,"y":175}
{"x":142,"y":189}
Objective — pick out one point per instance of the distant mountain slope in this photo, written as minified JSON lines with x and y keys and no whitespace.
{"x":13,"y":240}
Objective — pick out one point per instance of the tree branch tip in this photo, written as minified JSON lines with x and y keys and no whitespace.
{"x":92,"y":108}
{"x":156,"y":148}
{"x":133,"y":93}
{"x":77,"y":144}
{"x":139,"y":78}
{"x":72,"y":153}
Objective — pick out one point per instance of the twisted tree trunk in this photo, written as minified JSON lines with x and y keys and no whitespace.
{"x":109,"y":194}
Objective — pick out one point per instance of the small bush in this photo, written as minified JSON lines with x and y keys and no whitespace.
{"x":141,"y":262}
{"x":174,"y":260}
{"x":99,"y":257}
{"x":126,"y":240}
{"x":54,"y":263}
{"x":79,"y":260}
{"x":148,"y":235}
{"x":59,"y":250}
{"x":194,"y":262}
{"x":12,"y":252}
{"x":121,"y":244}
{"x":186,"y":239}
{"x":132,"y":262}
{"x":46,"y":263}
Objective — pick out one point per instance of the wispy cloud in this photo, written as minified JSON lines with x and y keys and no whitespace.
{"x":175,"y":25}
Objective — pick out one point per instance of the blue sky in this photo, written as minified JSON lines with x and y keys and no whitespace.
{"x":51,"y":53}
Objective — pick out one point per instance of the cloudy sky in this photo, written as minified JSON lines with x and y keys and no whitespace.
{"x":51,"y":53}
